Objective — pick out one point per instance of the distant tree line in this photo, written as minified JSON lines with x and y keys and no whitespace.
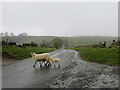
{"x":12,"y":37}
{"x":7,"y":34}
{"x":13,"y":40}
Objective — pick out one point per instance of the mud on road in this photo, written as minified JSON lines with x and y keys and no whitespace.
{"x":73,"y":73}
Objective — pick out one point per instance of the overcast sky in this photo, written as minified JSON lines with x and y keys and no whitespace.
{"x":60,"y":18}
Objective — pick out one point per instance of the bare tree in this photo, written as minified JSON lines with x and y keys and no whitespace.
{"x":57,"y":42}
{"x":21,"y":37}
{"x":11,"y":34}
{"x":23,"y":34}
{"x":1,"y":34}
{"x":6,"y":34}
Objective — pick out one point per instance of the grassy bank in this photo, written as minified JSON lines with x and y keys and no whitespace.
{"x":107,"y":56}
{"x":23,"y":52}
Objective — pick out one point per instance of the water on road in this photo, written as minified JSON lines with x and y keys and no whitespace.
{"x":73,"y":73}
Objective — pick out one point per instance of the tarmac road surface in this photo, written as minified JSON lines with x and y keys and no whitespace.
{"x":73,"y":73}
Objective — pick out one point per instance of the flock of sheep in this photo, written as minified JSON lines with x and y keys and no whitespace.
{"x":45,"y":58}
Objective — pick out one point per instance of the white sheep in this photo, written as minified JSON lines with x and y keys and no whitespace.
{"x":41,"y":58}
{"x":56,"y":60}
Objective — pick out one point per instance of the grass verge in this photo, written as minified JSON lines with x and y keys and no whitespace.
{"x":109,"y":56}
{"x":23,"y":52}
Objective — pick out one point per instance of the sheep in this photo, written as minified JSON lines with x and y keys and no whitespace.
{"x":44,"y":61}
{"x":56,"y":60}
{"x":41,"y":58}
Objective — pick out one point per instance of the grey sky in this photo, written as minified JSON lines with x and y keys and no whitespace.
{"x":63,"y":19}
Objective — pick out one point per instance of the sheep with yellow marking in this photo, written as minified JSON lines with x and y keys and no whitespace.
{"x":41,"y":58}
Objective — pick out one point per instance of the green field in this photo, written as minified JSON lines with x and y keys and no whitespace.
{"x":107,"y":56}
{"x":72,"y":41}
{"x":87,"y":40}
{"x":23,"y":52}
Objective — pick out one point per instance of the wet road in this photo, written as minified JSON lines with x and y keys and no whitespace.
{"x":73,"y":73}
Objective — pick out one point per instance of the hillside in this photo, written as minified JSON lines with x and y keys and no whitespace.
{"x":73,"y":41}
{"x":86,"y":40}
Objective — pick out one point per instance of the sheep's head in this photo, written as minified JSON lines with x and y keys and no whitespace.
{"x":51,"y":59}
{"x":32,"y":54}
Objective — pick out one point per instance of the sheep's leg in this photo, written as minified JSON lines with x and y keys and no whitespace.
{"x":45,"y":63}
{"x":54,"y":64}
{"x":58,"y":64}
{"x":41,"y":64}
{"x":34,"y":64}
{"x":48,"y":63}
